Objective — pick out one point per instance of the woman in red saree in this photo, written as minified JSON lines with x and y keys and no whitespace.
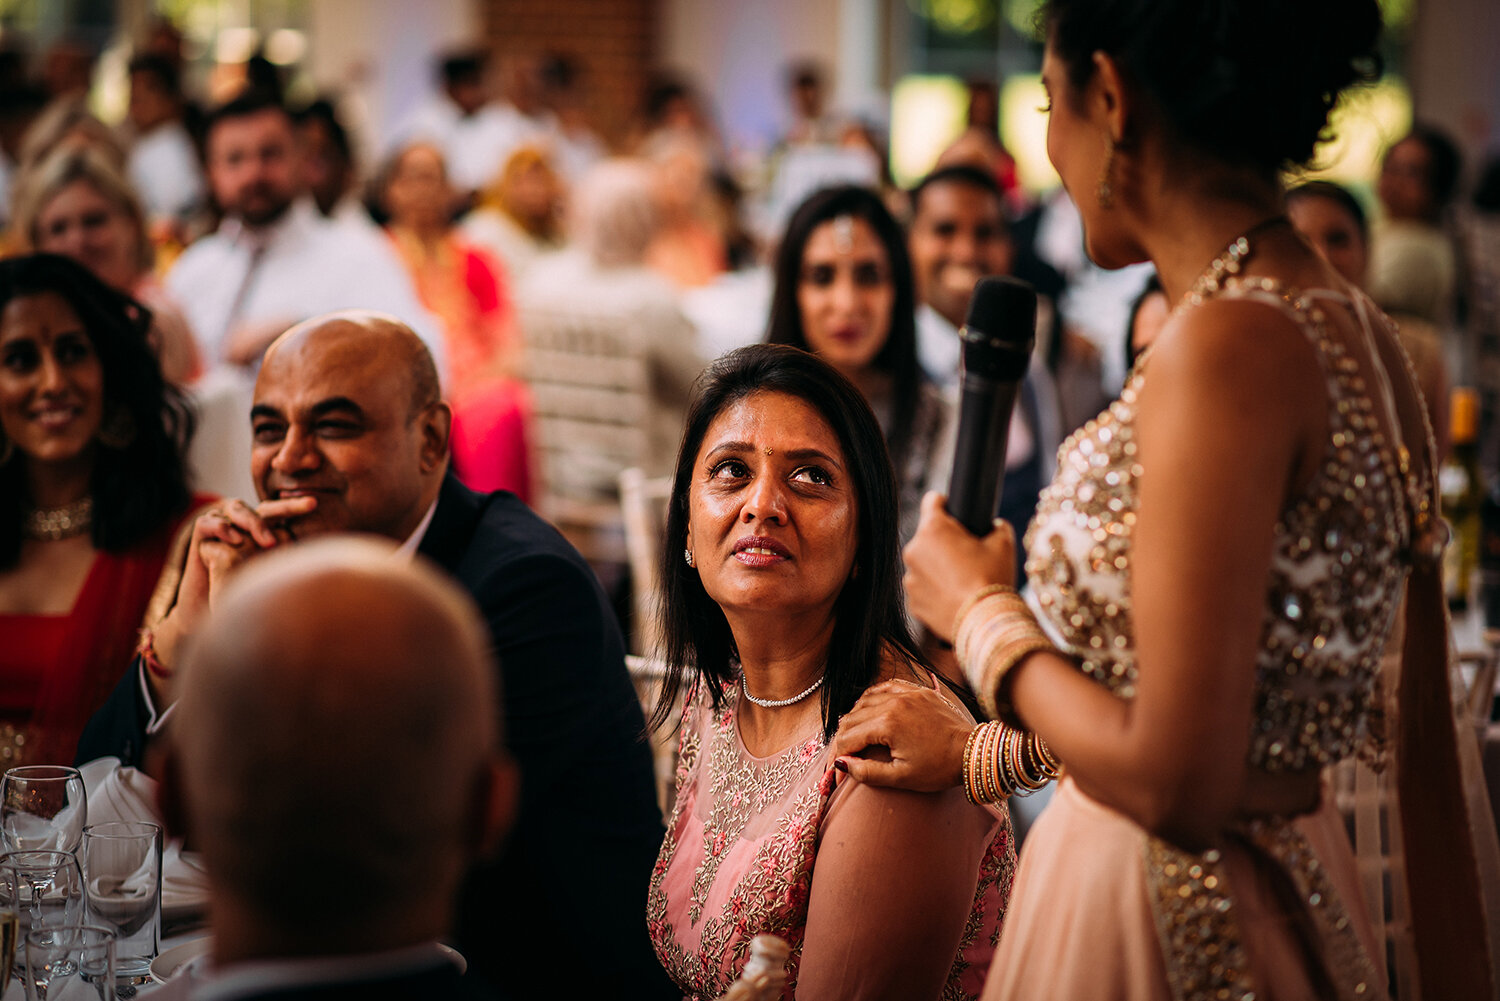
{"x":92,"y":488}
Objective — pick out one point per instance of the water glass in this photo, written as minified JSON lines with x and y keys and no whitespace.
{"x":42,"y":808}
{"x":45,"y":889}
{"x":122,"y":889}
{"x":70,"y":963}
{"x":10,"y":927}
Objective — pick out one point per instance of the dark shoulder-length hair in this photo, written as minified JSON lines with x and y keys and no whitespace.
{"x":140,"y":479}
{"x":898,"y":358}
{"x":869,"y":615}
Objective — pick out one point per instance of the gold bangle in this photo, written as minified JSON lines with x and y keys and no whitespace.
{"x":997,"y":670}
{"x":974,"y":599}
{"x":990,"y":787}
{"x":968,"y":772}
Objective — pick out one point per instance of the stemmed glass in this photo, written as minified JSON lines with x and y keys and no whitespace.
{"x":42,"y":808}
{"x":44,"y":888}
{"x":70,"y":963}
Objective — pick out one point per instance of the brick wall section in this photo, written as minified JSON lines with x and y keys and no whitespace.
{"x":614,"y":40}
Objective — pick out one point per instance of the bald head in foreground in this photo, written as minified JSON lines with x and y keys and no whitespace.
{"x":350,"y":435}
{"x":343,"y":829}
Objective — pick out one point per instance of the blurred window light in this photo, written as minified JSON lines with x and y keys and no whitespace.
{"x":1364,"y":122}
{"x":1021,"y":15}
{"x":927,"y":114}
{"x":286,"y":46}
{"x":956,"y":17}
{"x":1023,"y":130}
{"x":235,"y":45}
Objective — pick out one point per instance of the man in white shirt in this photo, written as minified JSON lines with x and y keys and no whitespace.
{"x":163,"y":162}
{"x":334,"y":863}
{"x":476,"y":134}
{"x":275,"y":261}
{"x":959,"y":235}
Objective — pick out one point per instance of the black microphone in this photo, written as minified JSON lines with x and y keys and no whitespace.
{"x":998,"y":336}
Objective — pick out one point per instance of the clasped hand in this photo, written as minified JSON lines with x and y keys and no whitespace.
{"x":224,"y":536}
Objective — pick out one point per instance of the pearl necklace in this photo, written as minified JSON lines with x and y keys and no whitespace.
{"x":50,"y":524}
{"x":779,"y":703}
{"x":1227,"y":264}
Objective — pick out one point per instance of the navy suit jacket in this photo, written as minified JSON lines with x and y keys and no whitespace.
{"x":563,"y":905}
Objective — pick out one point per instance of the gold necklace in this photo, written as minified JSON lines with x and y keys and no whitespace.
{"x":50,"y":524}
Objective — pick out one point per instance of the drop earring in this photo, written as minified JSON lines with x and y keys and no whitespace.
{"x":1106,"y":191}
{"x":687,"y":555}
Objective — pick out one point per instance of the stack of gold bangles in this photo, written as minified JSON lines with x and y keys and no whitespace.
{"x":1001,"y":761}
{"x":992,"y":632}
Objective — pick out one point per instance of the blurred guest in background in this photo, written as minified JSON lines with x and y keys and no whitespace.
{"x":610,"y":359}
{"x":576,"y":146}
{"x":1148,"y":314}
{"x":844,"y":292}
{"x":164,"y":165}
{"x":328,"y":169}
{"x":1481,"y":231}
{"x":1413,"y":267}
{"x":979,"y":145}
{"x":1332,"y":220}
{"x":672,"y":109}
{"x":807,"y":100}
{"x":76,"y":203}
{"x":688,"y":249}
{"x":465,"y":289}
{"x":367,"y":653}
{"x":69,"y":123}
{"x":19,"y":107}
{"x":67,"y":68}
{"x":781,"y":582}
{"x":474,"y":132}
{"x":274,"y":260}
{"x":92,"y":489}
{"x":519,"y":216}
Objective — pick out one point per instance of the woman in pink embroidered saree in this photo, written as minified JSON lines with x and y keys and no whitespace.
{"x":782,"y":590}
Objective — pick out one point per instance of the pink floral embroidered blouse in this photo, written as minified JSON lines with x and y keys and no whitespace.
{"x":913,"y":884}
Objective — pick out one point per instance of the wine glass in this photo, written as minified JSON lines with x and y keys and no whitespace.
{"x":45,"y":890}
{"x":42,"y":808}
{"x":70,"y":963}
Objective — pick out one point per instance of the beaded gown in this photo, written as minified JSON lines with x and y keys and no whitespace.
{"x":1101,"y":908}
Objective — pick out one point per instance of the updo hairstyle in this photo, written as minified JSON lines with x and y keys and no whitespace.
{"x":1244,"y":82}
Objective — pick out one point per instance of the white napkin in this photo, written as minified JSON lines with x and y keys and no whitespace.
{"x":120,"y":793}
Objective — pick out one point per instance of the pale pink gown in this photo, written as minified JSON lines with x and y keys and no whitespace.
{"x":1102,"y":909}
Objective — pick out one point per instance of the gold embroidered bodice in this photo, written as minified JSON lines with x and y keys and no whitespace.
{"x":1336,"y":575}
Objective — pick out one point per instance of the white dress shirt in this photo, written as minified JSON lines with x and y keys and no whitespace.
{"x":304,"y":266}
{"x":165,"y":170}
{"x":475,"y":146}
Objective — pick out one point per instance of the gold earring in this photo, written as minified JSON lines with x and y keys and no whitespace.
{"x":1106,"y":192}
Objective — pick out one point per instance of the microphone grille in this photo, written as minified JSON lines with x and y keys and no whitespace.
{"x":1000,"y":329}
